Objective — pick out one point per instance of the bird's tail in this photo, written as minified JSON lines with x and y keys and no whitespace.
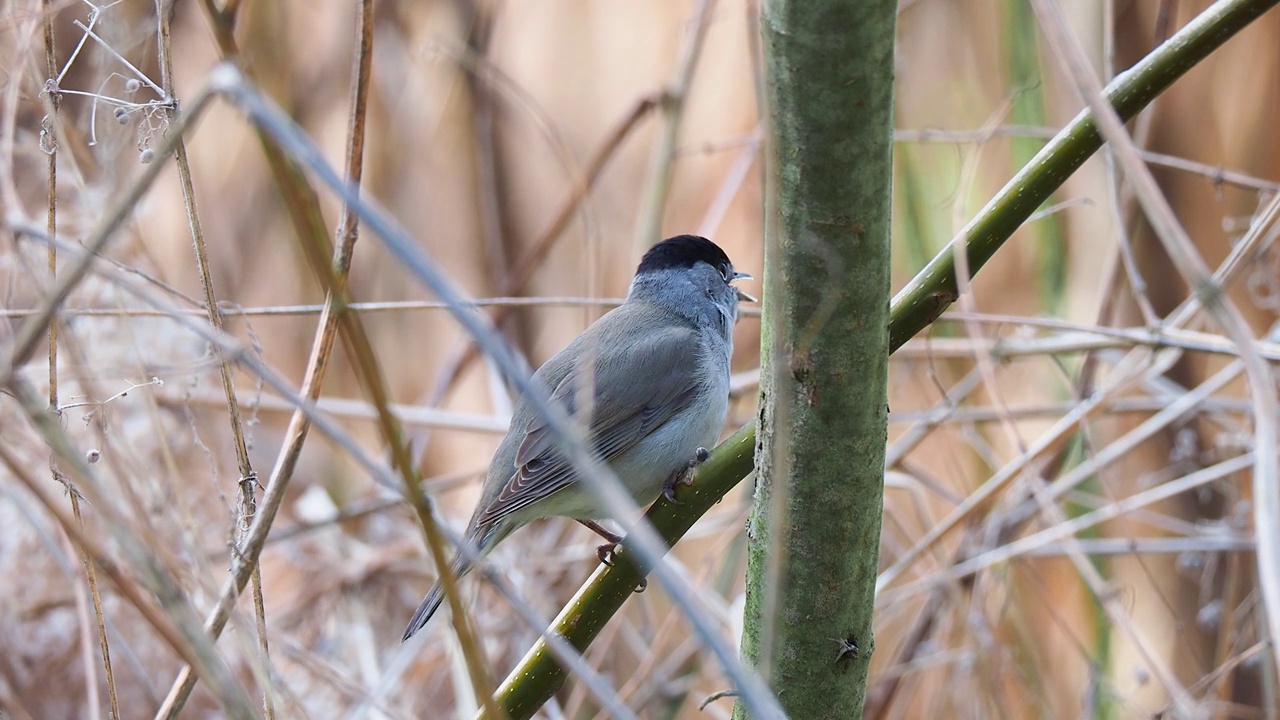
{"x":434,"y":597}
{"x":482,"y":540}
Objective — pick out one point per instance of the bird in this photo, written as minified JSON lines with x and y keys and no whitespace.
{"x":649,"y":382}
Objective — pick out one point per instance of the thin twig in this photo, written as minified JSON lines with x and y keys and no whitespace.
{"x":354,"y":409}
{"x":728,"y":190}
{"x":672,"y":102}
{"x":1191,"y":266}
{"x":29,"y":334}
{"x":174,"y":620}
{"x":366,"y":308}
{"x":248,"y":479}
{"x":1215,"y":174}
{"x":303,"y":204}
{"x":1036,"y":543}
{"x":1079,"y":339}
{"x":1230,"y":269}
{"x":532,"y":259}
{"x":141,"y":76}
{"x":52,"y":102}
{"x":980,"y":498}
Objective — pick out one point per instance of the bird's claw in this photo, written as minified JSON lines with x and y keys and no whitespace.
{"x":684,"y":478}
{"x":605,"y":553}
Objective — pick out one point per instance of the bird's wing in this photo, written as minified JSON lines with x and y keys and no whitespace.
{"x":620,"y":415}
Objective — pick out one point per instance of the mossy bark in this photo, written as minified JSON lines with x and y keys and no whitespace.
{"x":814,"y":534}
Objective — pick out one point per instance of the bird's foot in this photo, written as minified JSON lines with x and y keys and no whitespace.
{"x":683,"y":477}
{"x":605,"y":553}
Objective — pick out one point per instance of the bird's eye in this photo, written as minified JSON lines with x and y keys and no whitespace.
{"x":725,"y":271}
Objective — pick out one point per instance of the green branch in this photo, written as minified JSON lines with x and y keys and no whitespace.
{"x":813,"y":544}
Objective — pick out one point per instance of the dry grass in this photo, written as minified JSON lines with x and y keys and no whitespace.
{"x":1133,"y":584}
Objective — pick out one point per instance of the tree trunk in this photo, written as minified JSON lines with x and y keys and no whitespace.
{"x":815,"y":530}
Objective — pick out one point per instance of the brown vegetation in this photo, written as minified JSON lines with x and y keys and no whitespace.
{"x":484,"y":122}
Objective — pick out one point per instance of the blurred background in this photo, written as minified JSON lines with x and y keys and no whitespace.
{"x":485,"y":120}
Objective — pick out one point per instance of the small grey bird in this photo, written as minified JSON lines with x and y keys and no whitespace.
{"x":657,"y":372}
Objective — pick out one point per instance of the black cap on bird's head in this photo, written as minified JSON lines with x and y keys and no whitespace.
{"x":683,"y":251}
{"x":686,"y":251}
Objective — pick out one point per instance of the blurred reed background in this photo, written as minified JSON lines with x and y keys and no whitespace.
{"x":484,"y":118}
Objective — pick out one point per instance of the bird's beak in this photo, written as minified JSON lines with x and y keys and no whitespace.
{"x":741,"y":295}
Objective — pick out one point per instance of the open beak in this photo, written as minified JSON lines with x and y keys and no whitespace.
{"x":741,"y":295}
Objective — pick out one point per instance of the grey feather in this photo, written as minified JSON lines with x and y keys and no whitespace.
{"x":620,"y":414}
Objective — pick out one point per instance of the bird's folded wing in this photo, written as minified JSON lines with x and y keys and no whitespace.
{"x":621,"y":415}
